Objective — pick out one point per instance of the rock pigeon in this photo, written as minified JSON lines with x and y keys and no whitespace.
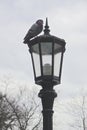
{"x":35,"y":29}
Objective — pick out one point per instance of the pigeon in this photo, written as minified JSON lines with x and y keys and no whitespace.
{"x":35,"y":29}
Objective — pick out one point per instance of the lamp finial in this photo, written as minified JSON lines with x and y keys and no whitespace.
{"x":46,"y":30}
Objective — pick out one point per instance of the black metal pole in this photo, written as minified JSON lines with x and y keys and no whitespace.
{"x":47,"y":96}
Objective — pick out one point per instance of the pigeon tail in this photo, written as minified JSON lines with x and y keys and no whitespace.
{"x":26,"y":41}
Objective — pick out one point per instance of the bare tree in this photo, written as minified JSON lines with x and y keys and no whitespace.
{"x":78,"y":111}
{"x":18,"y":115}
{"x":20,"y":112}
{"x":25,"y":115}
{"x":6,"y":116}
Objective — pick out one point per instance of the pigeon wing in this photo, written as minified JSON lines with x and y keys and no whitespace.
{"x":32,"y":32}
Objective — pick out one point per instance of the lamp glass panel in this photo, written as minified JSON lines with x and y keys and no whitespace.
{"x":36,"y":58}
{"x":46,"y":51}
{"x":46,"y":48}
{"x":57,"y":59}
{"x":57,"y":48}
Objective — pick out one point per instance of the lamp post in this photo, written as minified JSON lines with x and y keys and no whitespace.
{"x":47,"y":58}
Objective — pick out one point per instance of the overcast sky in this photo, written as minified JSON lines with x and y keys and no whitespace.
{"x":67,"y":19}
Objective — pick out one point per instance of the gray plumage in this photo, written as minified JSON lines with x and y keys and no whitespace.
{"x":35,"y":29}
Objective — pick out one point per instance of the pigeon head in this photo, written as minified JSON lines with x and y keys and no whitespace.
{"x":40,"y":22}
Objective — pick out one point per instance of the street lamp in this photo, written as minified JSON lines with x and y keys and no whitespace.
{"x":47,"y":58}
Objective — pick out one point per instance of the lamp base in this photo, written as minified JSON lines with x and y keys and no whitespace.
{"x":52,"y":80}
